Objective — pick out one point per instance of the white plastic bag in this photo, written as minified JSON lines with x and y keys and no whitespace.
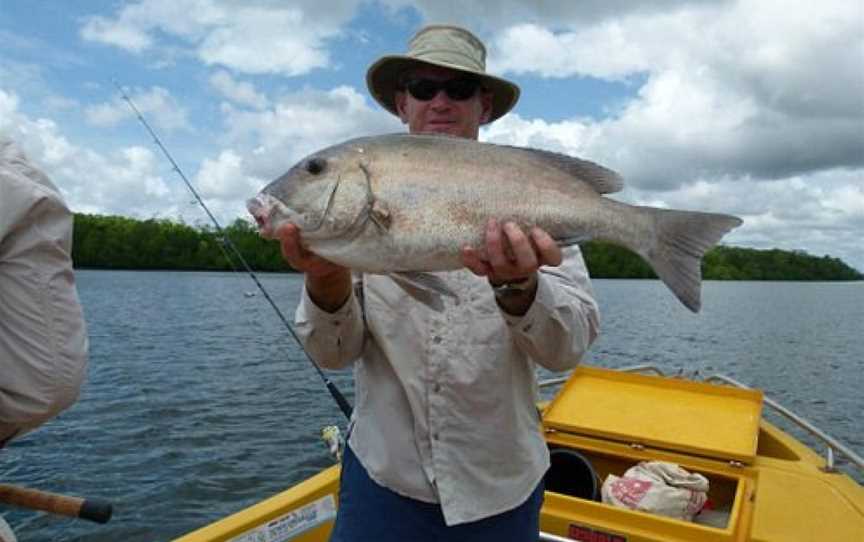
{"x":657,"y":487}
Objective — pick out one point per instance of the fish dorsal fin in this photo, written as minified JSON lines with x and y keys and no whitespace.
{"x":602,"y":179}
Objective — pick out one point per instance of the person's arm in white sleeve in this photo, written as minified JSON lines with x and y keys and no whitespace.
{"x":329,"y":318}
{"x":333,"y":339}
{"x":563,"y":319}
{"x":43,"y":336}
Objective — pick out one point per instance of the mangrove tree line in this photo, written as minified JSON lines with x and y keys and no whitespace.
{"x":116,"y":242}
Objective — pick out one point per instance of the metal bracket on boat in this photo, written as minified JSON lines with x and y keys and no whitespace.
{"x":830,"y":442}
{"x":637,"y":446}
{"x":736,"y":464}
{"x":829,"y":461}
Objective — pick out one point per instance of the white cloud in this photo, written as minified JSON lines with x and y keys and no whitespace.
{"x":224,"y":185}
{"x":125,"y":182}
{"x":224,"y":178}
{"x":251,"y":37}
{"x":299,"y":123}
{"x":568,"y":136}
{"x":60,"y":103}
{"x":240,"y":92}
{"x":479,"y":16}
{"x":604,"y":51}
{"x":752,"y":88}
{"x":124,"y":33}
{"x":256,"y":41}
{"x":157,"y":104}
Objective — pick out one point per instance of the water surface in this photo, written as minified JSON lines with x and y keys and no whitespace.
{"x":198,"y":402}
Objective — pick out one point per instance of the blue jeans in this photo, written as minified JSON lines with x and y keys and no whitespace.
{"x":369,"y":512}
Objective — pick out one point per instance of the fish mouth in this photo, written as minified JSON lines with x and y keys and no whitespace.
{"x":261,"y":208}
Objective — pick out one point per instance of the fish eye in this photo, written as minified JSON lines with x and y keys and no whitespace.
{"x":316,"y":165}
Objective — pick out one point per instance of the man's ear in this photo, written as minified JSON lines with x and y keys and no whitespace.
{"x":486,"y":104}
{"x":401,"y":105}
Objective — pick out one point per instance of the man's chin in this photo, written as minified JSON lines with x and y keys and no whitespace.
{"x":444,"y":129}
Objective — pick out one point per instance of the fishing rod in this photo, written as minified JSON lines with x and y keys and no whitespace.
{"x":55,"y":503}
{"x":344,"y":406}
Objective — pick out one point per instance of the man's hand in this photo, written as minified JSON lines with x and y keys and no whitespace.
{"x":329,"y":284}
{"x":509,"y":255}
{"x":301,"y":259}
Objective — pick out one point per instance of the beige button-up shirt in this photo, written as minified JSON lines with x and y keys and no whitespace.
{"x":43,"y":338}
{"x":446,"y":400}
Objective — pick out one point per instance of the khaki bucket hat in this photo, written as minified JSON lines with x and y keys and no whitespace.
{"x":448,"y":47}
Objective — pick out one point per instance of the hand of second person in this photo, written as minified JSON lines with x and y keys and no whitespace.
{"x":511,"y":255}
{"x":300,"y":258}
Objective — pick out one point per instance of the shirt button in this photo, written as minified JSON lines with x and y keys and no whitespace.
{"x":434,"y":436}
{"x":436,"y":339}
{"x":437,"y":388}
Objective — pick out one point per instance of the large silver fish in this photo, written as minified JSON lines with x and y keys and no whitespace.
{"x":408,"y":203}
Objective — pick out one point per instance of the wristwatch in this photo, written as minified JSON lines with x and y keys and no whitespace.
{"x":515,"y":287}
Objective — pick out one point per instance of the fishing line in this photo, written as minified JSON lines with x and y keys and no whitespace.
{"x":344,"y":406}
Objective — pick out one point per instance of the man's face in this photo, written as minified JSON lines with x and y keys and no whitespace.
{"x":442,"y":114}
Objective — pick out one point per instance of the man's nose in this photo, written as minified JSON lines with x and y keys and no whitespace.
{"x":440,"y":100}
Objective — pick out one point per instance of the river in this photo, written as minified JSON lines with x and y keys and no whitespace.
{"x":198,"y":403}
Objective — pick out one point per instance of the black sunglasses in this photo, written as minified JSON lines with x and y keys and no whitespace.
{"x":458,"y":89}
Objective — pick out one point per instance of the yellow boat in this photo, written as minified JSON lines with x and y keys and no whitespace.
{"x":765,"y":486}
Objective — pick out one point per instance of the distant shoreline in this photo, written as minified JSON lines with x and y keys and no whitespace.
{"x":293,"y":272}
{"x":122,"y":243}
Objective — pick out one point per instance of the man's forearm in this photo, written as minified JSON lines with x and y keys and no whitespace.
{"x":330,"y":291}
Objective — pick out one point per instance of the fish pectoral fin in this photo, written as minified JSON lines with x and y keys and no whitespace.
{"x":424,"y":287}
{"x":377,"y":210}
{"x":379,"y":214}
{"x":427,"y":281}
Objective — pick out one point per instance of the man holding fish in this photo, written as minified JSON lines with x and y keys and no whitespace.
{"x":445,"y":270}
{"x":445,"y":438}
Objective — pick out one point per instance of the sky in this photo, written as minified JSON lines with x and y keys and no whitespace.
{"x":752,"y":107}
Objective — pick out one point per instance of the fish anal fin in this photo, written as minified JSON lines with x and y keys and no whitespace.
{"x":424,"y":287}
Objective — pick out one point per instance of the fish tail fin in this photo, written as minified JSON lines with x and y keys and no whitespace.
{"x":682,"y":239}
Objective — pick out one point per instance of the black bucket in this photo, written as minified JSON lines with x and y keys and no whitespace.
{"x":571,"y":474}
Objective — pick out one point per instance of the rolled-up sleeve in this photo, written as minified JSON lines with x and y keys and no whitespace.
{"x":43,"y":336}
{"x":332,"y":339}
{"x":563,"y":321}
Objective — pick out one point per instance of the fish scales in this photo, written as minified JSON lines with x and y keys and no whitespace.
{"x":449,"y":195}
